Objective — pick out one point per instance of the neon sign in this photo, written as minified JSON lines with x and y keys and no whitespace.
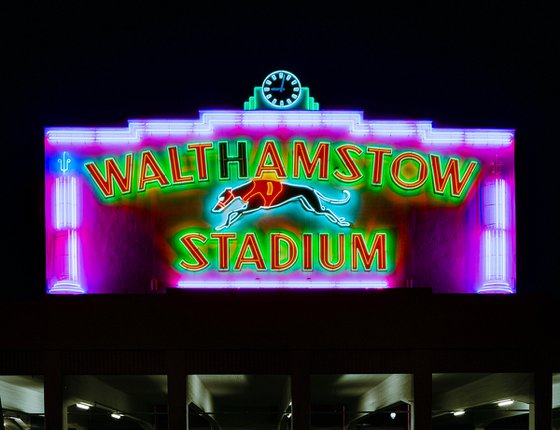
{"x":406,"y":171}
{"x":291,"y":198}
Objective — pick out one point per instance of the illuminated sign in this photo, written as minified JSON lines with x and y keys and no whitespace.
{"x":279,"y":195}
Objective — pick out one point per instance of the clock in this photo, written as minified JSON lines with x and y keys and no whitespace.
{"x":281,"y":89}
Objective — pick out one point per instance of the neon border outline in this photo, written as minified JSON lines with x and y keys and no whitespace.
{"x":350,"y":121}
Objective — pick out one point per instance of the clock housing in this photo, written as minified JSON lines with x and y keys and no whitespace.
{"x":281,"y":89}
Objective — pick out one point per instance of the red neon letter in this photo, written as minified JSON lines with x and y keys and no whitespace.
{"x":201,"y":164}
{"x":301,"y":155}
{"x":223,"y":248}
{"x":307,"y":252}
{"x":148,"y":160}
{"x":176,"y":167}
{"x":377,"y":163}
{"x":422,"y":170}
{"x":201,"y":261}
{"x":379,"y":248}
{"x":275,"y":239}
{"x":271,"y":151}
{"x":112,"y":172}
{"x":451,"y":171}
{"x":326,"y":252}
{"x":354,"y":172}
{"x":250,"y":244}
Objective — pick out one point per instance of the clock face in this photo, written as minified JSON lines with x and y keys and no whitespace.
{"x":281,"y":89}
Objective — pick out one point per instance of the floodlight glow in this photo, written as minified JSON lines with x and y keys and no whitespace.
{"x":507,"y":402}
{"x":458,"y":413}
{"x":393,"y":415}
{"x":83,"y":405}
{"x":117,"y":415}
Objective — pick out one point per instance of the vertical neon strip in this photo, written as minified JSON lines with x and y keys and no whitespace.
{"x":73,"y":256}
{"x":495,"y":238}
{"x":500,"y":204}
{"x":66,"y":277}
{"x":65,"y":202}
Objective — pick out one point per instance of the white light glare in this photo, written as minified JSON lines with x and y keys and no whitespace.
{"x":17,"y":420}
{"x":393,"y":415}
{"x":506,"y":402}
{"x":458,"y":413}
{"x":116,"y":415}
{"x":83,"y":405}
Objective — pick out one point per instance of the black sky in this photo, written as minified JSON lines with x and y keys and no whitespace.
{"x":464,"y":64}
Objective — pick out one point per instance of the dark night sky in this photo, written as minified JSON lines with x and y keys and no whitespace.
{"x":482,"y":64}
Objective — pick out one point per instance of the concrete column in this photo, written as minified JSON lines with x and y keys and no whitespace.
{"x":55,"y":413}
{"x":422,"y":388}
{"x":301,"y":401}
{"x":542,"y":417}
{"x":1,"y":415}
{"x":177,"y":390}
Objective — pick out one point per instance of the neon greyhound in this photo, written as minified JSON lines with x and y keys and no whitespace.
{"x":268,"y":194}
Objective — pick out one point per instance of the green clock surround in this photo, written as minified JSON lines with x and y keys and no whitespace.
{"x":281,"y":89}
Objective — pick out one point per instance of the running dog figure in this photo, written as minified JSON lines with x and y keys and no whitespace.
{"x":268,"y":194}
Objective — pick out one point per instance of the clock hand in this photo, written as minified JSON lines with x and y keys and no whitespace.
{"x":282,"y":85}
